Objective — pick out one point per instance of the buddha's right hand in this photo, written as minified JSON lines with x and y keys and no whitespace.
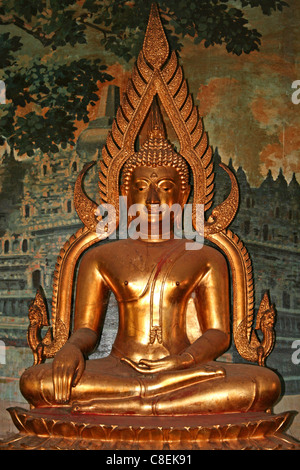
{"x":68,"y":366}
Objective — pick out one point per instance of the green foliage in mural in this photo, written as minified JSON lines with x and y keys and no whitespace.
{"x":54,"y":94}
{"x":59,"y":95}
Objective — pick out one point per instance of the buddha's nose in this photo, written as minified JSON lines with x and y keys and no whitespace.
{"x":152,"y":196}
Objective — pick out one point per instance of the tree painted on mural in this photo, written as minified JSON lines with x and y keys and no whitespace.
{"x":47,"y":96}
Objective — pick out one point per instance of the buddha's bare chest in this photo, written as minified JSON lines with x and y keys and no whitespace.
{"x":156,"y":276}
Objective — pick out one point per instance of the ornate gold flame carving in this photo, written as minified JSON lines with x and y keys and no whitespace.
{"x":157,"y":74}
{"x":84,"y":206}
{"x":46,"y":347}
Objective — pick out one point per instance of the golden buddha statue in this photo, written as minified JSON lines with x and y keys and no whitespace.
{"x":163,"y":361}
{"x":153,"y":368}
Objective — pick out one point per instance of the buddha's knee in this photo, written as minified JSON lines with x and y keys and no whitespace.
{"x":268,"y":388}
{"x":33,"y":384}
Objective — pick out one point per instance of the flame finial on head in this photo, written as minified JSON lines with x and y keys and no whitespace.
{"x":156,"y":126}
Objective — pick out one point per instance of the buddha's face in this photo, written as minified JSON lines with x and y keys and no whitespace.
{"x":155,"y":188}
{"x":155,"y":185}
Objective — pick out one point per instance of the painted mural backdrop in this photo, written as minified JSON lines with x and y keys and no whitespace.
{"x":64,"y":66}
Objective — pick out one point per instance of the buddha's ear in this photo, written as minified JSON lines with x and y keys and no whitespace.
{"x":185,"y":194}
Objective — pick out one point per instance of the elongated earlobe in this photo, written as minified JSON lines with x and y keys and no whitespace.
{"x":185,"y":195}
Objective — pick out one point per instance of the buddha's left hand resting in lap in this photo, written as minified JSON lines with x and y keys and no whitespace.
{"x":153,"y":369}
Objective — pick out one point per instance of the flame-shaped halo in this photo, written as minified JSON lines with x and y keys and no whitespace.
{"x":157,"y":72}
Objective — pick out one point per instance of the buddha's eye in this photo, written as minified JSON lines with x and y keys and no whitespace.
{"x":166,"y":186}
{"x":141,"y":186}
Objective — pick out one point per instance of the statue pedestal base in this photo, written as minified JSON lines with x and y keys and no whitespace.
{"x":57,"y":428}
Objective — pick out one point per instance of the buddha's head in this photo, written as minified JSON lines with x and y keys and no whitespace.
{"x":157,"y":179}
{"x":156,"y":175}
